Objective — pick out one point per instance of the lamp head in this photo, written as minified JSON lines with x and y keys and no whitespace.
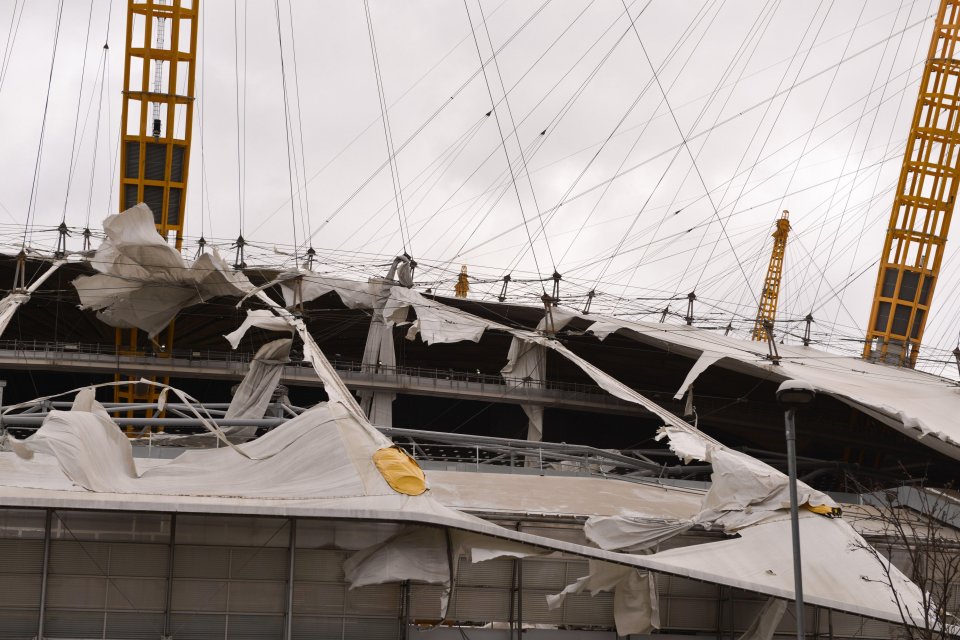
{"x":795,"y":393}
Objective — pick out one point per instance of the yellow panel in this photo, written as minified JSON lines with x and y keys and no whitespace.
{"x":401,"y":472}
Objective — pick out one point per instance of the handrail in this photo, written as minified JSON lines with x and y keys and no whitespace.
{"x":347,"y":368}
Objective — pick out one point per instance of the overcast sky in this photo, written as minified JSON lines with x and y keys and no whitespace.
{"x":769,"y":105}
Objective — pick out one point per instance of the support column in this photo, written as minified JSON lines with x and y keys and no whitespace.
{"x":168,"y":604}
{"x":43,"y":576}
{"x":379,"y":356}
{"x":288,"y":627}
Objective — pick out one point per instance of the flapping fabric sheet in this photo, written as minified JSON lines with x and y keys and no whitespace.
{"x":253,"y":394}
{"x":143,"y":282}
{"x":635,"y":605}
{"x":261,"y":318}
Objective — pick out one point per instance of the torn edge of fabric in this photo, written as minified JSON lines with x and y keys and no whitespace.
{"x":632,"y":533}
{"x":260,"y":318}
{"x":636,"y":605}
{"x":743,"y":490}
{"x":143,"y":282}
{"x":429,"y":555}
{"x":706,"y":359}
{"x":253,"y":394}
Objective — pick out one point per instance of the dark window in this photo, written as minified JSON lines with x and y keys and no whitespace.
{"x":173,"y":206}
{"x":908,"y":285}
{"x":176,"y":164}
{"x":156,"y":164}
{"x":132,"y":152}
{"x":129,"y":196}
{"x":883,"y":316}
{"x":901,"y":316}
{"x":925,"y":290}
{"x":917,"y":323}
{"x":153,"y":196}
{"x":889,"y":283}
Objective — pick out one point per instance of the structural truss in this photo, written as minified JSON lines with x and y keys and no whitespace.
{"x":926,"y":193}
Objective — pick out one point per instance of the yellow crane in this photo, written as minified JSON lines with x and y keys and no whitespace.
{"x":156,"y":124}
{"x":923,"y":206}
{"x":767,"y":310}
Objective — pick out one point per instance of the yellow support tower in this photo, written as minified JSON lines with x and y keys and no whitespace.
{"x":462,"y":288}
{"x":926,"y":192}
{"x":156,"y":125}
{"x":767,"y":312}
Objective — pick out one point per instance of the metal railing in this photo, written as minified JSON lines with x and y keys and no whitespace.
{"x":435,"y":450}
{"x":349,"y":369}
{"x":110,"y":350}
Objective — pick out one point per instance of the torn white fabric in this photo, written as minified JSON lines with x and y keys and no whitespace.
{"x":918,"y":404}
{"x":743,"y":490}
{"x":387,"y":304}
{"x":12,"y":301}
{"x":527,"y":362}
{"x":741,"y":562}
{"x":483,"y":548}
{"x":304,"y":286}
{"x":261,"y":318}
{"x":760,"y":559}
{"x":254,"y":392}
{"x":635,"y":604}
{"x":326,"y":452}
{"x":616,"y":388}
{"x":143,"y":282}
{"x":703,"y":362}
{"x":632,"y":533}
{"x":561,"y":318}
{"x":332,"y":383}
{"x":534,"y":413}
{"x":767,"y":621}
{"x":428,"y":555}
{"x":90,"y":448}
{"x":418,"y":554}
{"x":436,"y":322}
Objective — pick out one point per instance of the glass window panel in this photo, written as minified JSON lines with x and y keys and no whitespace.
{"x":925,"y":290}
{"x":883,"y":316}
{"x":908,"y":285}
{"x":901,"y":316}
{"x":889,"y":282}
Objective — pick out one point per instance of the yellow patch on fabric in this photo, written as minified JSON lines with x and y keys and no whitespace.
{"x":401,"y":472}
{"x":824,"y":510}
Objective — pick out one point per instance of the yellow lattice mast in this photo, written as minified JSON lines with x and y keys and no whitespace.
{"x":767,"y":311}
{"x":926,"y":192}
{"x":156,"y":124}
{"x":462,"y":288}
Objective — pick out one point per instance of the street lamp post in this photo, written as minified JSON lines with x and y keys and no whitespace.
{"x":793,"y":394}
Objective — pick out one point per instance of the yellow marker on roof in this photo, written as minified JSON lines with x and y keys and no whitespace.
{"x":401,"y":472}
